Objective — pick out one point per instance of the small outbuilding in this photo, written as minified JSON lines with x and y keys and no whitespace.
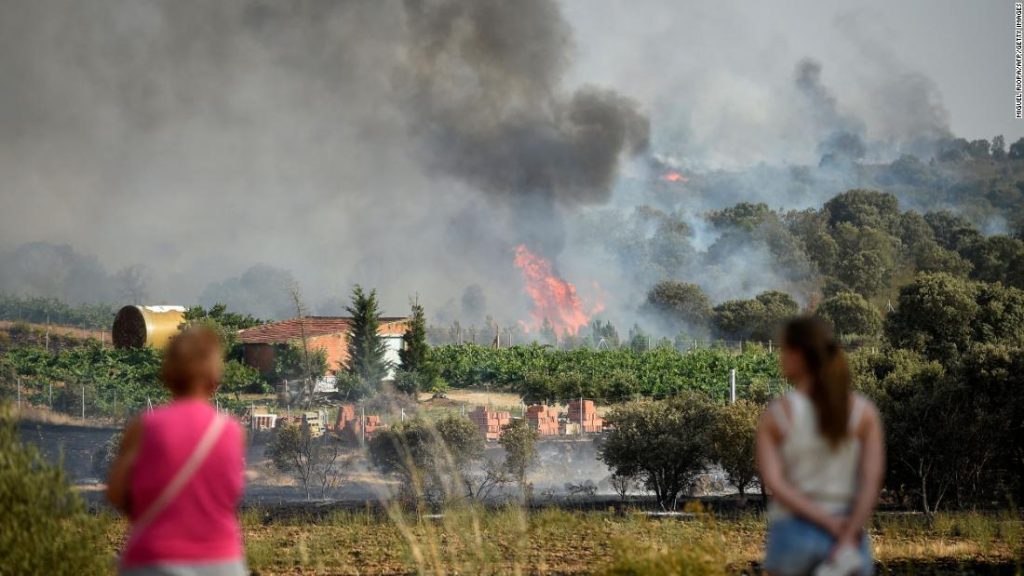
{"x":331,"y":333}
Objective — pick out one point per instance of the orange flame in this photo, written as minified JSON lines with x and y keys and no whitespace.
{"x":673,"y":176}
{"x":554,"y":299}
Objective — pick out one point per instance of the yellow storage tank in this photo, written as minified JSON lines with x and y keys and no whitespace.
{"x":138,"y":326}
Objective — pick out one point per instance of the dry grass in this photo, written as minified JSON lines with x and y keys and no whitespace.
{"x":502,"y":400}
{"x":59,"y":330}
{"x":513,"y":541}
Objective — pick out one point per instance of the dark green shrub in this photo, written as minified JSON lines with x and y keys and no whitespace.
{"x":44,"y":526}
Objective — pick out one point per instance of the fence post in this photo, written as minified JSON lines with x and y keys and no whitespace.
{"x":732,"y":386}
{"x":581,"y":401}
{"x":362,"y":425}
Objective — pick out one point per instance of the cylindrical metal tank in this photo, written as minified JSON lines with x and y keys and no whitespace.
{"x":138,"y":326}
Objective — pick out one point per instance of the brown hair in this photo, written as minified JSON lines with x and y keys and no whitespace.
{"x":830,"y":374}
{"x":187,"y":359}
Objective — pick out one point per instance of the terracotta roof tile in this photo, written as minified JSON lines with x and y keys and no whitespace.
{"x":288,"y":330}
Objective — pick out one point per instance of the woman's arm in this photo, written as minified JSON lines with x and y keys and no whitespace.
{"x":769,"y":463}
{"x":120,"y":471}
{"x":870,"y":475}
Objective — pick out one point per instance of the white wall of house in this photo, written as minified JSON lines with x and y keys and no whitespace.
{"x":394,"y":344}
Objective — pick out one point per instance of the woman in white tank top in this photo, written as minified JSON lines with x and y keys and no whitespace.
{"x":821,"y":457}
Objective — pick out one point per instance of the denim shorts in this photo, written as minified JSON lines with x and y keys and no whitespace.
{"x":796,"y":546}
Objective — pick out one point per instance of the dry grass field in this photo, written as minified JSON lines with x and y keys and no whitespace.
{"x":514,"y":541}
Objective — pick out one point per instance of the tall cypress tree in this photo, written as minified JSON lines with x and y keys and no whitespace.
{"x":414,"y":342}
{"x":366,"y":347}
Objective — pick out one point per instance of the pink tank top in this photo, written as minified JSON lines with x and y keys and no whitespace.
{"x":200,"y":523}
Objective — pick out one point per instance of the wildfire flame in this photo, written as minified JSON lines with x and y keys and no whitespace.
{"x":673,"y":176}
{"x":554,"y":299}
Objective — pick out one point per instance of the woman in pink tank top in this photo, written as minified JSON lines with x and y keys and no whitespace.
{"x":179,"y":473}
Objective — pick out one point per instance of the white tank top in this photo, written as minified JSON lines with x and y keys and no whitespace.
{"x":826,"y":475}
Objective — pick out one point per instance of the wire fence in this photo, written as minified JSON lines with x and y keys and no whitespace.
{"x":85,"y":401}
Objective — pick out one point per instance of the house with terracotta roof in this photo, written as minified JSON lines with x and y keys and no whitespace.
{"x":259,"y":343}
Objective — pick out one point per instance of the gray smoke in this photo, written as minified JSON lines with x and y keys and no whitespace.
{"x":840,"y":134}
{"x":486,"y":102}
{"x":409,"y":146}
{"x":346,"y":141}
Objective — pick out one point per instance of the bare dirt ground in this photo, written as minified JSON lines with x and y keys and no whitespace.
{"x":502,"y":400}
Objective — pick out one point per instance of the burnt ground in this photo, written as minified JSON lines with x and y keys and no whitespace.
{"x":70,"y":445}
{"x":562,"y":462}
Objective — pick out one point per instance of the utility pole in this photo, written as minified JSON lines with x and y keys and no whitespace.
{"x":51,"y":395}
{"x":732,"y":386}
{"x":19,"y":393}
{"x":83,"y":401}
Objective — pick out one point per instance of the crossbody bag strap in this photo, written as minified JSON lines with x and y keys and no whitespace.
{"x":184,"y":474}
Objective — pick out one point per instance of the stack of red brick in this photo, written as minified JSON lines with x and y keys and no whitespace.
{"x":543,"y":419}
{"x":490,"y":422}
{"x":349,"y":427}
{"x":585,"y":416}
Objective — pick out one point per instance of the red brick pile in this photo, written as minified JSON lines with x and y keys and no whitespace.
{"x":587,"y":418}
{"x":543,"y":419}
{"x":346,"y":414}
{"x":349,"y":427}
{"x":490,"y":422}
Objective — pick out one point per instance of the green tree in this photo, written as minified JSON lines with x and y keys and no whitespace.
{"x":931,"y":434}
{"x":639,"y":340}
{"x":366,"y":347}
{"x":733,"y":433}
{"x":999,"y":147}
{"x":933,"y":315}
{"x":756,"y":319}
{"x":413,"y":354}
{"x":997,"y":259}
{"x":293,"y":361}
{"x":850,"y":314}
{"x":431,"y":460}
{"x":45,"y":527}
{"x":520,"y":444}
{"x":416,"y":372}
{"x":679,"y":305}
{"x":239,"y":378}
{"x":952,"y":232}
{"x":663,"y":443}
{"x":220,"y":313}
{"x":745,"y":215}
{"x":1016,"y":150}
{"x":864,"y":209}
{"x":604,"y":334}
